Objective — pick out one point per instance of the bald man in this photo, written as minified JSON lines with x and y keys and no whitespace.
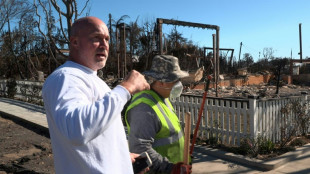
{"x":83,"y":113}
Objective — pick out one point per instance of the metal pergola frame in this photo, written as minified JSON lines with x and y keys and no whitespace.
{"x":216,"y":40}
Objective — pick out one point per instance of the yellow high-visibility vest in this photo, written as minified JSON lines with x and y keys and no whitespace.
{"x":169,"y":141}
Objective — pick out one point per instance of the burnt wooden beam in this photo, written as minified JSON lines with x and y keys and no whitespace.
{"x":184,"y":23}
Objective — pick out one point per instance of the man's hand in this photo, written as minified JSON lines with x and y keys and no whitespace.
{"x":181,"y":168}
{"x":133,"y":157}
{"x":135,"y":82}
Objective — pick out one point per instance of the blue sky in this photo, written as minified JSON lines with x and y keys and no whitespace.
{"x":257,"y":24}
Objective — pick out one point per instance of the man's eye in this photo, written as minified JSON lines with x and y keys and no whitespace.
{"x":96,"y":39}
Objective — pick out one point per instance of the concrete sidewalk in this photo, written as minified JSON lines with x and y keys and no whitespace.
{"x":205,"y":160}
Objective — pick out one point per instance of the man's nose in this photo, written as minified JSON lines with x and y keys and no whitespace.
{"x":104,"y":43}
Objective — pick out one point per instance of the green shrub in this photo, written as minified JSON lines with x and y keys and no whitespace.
{"x":266,"y":147}
{"x":246,"y":146}
{"x":253,"y":147}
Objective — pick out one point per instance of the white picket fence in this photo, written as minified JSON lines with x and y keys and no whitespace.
{"x":229,"y":120}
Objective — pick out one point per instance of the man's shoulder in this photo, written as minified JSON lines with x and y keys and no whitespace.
{"x":66,"y":69}
{"x":64,"y":73}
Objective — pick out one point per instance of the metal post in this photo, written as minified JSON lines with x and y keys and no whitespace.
{"x":125,"y":62}
{"x":160,"y":35}
{"x":217,"y":56}
{"x":214,"y":61}
{"x":110,"y":32}
{"x":118,"y":67}
{"x":204,"y":58}
{"x":239,"y":54}
{"x":117,"y":52}
{"x":230,"y":61}
{"x":291,"y":68}
{"x":300,"y":43}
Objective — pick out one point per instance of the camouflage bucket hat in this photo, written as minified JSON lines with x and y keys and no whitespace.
{"x":166,"y":68}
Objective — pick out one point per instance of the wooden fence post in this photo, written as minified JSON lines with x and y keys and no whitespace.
{"x":187,"y":134}
{"x":304,"y":95}
{"x":253,"y":111}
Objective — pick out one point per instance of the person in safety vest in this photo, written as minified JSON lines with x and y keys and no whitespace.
{"x":152,"y":123}
{"x":83,"y":113}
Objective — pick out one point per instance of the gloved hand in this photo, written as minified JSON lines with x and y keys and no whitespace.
{"x":181,"y":168}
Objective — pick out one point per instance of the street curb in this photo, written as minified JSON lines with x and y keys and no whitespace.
{"x":259,"y":164}
{"x":42,"y":130}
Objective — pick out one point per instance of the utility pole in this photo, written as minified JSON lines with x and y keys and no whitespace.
{"x":110,"y":31}
{"x":239,"y":53}
{"x":300,"y":43}
{"x":291,"y":54}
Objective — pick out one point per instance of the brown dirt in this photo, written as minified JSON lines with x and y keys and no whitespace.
{"x":24,"y":148}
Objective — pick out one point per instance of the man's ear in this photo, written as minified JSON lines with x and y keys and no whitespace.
{"x":74,"y":41}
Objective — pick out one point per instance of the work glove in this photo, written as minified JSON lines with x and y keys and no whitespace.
{"x":181,"y":168}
